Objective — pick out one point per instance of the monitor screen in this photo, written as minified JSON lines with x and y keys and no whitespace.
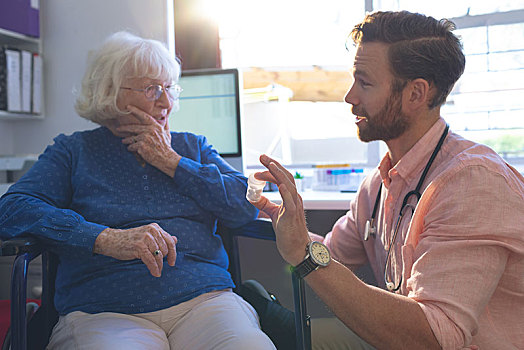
{"x":210,"y":106}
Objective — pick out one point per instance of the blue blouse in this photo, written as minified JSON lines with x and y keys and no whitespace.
{"x":88,"y":181}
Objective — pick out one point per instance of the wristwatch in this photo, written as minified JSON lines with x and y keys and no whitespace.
{"x":317,"y":255}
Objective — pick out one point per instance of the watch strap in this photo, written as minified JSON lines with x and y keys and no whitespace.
{"x":305,"y":267}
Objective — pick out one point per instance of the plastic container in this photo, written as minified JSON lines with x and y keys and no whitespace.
{"x":254,"y":188}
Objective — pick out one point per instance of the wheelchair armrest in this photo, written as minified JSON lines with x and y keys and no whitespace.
{"x":20,"y":245}
{"x":259,"y":228}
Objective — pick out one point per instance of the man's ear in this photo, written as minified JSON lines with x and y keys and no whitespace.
{"x":417,"y":94}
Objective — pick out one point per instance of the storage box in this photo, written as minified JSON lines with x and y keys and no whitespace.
{"x":21,"y":16}
{"x":342,"y":178}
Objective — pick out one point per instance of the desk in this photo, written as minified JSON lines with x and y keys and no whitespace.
{"x":4,"y":187}
{"x":11,"y":164}
{"x":319,"y":200}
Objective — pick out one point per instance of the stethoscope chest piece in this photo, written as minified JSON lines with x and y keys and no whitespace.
{"x":390,"y":286}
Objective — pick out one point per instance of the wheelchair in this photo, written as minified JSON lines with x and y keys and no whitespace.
{"x":286,"y":329}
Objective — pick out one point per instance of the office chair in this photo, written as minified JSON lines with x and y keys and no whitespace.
{"x":41,"y":324}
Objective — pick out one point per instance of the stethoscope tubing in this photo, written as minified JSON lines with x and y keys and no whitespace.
{"x":370,"y":224}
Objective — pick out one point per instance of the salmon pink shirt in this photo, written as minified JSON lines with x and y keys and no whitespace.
{"x":461,"y":254}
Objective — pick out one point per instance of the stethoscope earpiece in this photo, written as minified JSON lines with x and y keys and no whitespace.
{"x":369,"y":230}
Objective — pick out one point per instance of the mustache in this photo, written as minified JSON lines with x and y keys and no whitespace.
{"x":359,"y":112}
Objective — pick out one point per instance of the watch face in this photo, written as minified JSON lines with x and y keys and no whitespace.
{"x":319,"y":253}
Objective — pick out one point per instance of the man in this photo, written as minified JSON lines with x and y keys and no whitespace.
{"x":440,"y":220}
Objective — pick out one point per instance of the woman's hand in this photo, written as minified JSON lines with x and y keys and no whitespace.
{"x":288,"y":218}
{"x":138,"y":243}
{"x":151,"y":141}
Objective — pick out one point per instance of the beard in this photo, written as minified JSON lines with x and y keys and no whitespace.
{"x":388,"y":124}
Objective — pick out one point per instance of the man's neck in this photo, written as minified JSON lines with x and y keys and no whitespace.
{"x":401,"y":145}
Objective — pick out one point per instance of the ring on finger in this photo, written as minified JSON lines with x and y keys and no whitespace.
{"x":157,"y":252}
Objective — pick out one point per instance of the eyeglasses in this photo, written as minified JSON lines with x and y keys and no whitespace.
{"x":155,"y":91}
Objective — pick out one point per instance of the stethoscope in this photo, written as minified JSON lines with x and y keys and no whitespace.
{"x":371,"y":229}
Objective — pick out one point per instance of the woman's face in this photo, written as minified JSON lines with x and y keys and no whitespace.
{"x":129,"y":94}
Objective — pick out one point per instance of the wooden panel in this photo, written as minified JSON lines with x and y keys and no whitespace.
{"x":315,"y":84}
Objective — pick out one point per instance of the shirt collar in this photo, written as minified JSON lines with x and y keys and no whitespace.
{"x":412,"y":163}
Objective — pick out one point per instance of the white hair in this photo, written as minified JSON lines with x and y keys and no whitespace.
{"x":122,"y":56}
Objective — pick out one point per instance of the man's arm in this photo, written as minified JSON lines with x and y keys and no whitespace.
{"x":383,"y":319}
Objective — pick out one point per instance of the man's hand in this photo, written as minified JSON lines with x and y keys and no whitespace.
{"x":151,"y":141}
{"x":288,"y":218}
{"x":138,"y":243}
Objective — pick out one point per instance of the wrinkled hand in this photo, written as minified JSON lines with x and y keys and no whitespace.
{"x":150,"y":141}
{"x":288,"y":218}
{"x":138,"y":243}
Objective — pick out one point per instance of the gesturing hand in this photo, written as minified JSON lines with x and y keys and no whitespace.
{"x":151,"y":141}
{"x":288,"y":218}
{"x":138,"y":243}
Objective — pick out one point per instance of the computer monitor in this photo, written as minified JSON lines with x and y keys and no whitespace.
{"x":210,"y":106}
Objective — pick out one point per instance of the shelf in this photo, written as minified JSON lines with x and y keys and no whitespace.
{"x":18,"y":36}
{"x":16,"y":116}
{"x":20,"y":41}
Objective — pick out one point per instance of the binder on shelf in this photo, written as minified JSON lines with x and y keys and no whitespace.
{"x":36,"y":92}
{"x":3,"y":80}
{"x":14,"y":102}
{"x":26,"y":70}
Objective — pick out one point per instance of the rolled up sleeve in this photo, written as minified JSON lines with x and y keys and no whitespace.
{"x":470,"y":223}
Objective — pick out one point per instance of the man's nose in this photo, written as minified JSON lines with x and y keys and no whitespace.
{"x":351,"y":96}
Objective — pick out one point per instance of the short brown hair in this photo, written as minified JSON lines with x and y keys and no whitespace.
{"x":420,"y":47}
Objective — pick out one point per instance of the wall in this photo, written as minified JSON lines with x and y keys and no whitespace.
{"x":6,"y":138}
{"x":69,"y":30}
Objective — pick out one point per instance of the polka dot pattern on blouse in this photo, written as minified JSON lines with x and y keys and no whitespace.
{"x":88,"y":181}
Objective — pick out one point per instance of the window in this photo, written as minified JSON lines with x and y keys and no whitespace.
{"x":298,"y":45}
{"x":487,"y":103}
{"x":286,"y":33}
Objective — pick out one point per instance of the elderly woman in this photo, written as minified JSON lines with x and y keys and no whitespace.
{"x":119,"y":202}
